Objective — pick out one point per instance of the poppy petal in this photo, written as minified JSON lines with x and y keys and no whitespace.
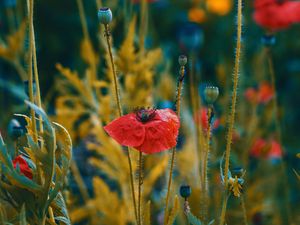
{"x":160,"y":135}
{"x":126,"y":130}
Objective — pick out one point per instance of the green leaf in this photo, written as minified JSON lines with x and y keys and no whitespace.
{"x":23,"y":216}
{"x":59,"y":208}
{"x":174,"y":211}
{"x":193,"y":219}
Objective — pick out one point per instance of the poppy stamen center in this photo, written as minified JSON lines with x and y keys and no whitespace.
{"x":144,"y":115}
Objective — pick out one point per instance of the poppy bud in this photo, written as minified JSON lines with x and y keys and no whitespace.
{"x":268,"y":40}
{"x":211,"y":94}
{"x":15,"y":130}
{"x":185,"y":191}
{"x":182,"y":60}
{"x":105,"y":15}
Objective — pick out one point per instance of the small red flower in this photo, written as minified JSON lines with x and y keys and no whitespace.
{"x":266,"y":149}
{"x":275,"y":15}
{"x":147,"y":130}
{"x":23,"y":165}
{"x":201,"y":117}
{"x":262,"y":95}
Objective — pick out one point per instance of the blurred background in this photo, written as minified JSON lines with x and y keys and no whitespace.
{"x":205,"y":31}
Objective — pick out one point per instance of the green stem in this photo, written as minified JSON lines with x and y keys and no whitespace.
{"x":120,"y":113}
{"x":140,"y":187}
{"x":83,"y":20}
{"x":178,"y":104}
{"x":115,"y":82}
{"x":205,"y":199}
{"x":244,"y":210}
{"x":223,"y":211}
{"x":30,"y":74}
{"x":278,"y":131}
{"x":233,"y":104}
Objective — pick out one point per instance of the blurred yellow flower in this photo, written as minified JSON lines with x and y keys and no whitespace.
{"x":196,"y":15}
{"x":220,"y":7}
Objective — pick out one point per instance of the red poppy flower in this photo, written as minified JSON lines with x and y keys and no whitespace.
{"x":147,"y":130}
{"x":23,"y":165}
{"x":266,"y":149}
{"x":201,"y":117}
{"x":262,"y":95}
{"x":276,"y":14}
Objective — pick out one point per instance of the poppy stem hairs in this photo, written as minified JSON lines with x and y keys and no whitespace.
{"x":182,"y":60}
{"x":233,"y":107}
{"x":105,"y":17}
{"x":140,"y":171}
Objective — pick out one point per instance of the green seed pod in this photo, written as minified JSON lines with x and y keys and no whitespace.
{"x":211,"y":94}
{"x":105,"y":15}
{"x":182,"y":60}
{"x":185,"y":191}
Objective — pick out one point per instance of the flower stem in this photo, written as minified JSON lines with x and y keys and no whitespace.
{"x":278,"y":131}
{"x":244,"y":210}
{"x":120,"y":113}
{"x":115,"y":82}
{"x":178,"y":104}
{"x":233,"y":106}
{"x":30,"y":74}
{"x":140,"y":187}
{"x":205,"y":199}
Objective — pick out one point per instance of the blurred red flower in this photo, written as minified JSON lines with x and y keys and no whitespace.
{"x":147,"y":130}
{"x":201,"y":117}
{"x":275,"y":15}
{"x":262,"y":95}
{"x":266,"y":149}
{"x":23,"y":165}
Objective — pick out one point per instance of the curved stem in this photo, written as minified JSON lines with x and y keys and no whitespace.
{"x":115,"y":82}
{"x":120,"y":113}
{"x":178,"y":104}
{"x":233,"y":104}
{"x":30,"y":74}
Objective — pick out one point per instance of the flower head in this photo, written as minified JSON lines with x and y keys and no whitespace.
{"x":147,"y":130}
{"x":266,"y":149}
{"x":105,"y":15}
{"x":276,"y":15}
{"x":22,"y":164}
{"x":201,"y":117}
{"x":262,"y":95}
{"x":185,"y":191}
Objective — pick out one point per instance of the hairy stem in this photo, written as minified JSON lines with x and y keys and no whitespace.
{"x":233,"y":105}
{"x":205,"y":199}
{"x":178,"y":104}
{"x":140,"y":186}
{"x":115,"y":79}
{"x":120,"y":113}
